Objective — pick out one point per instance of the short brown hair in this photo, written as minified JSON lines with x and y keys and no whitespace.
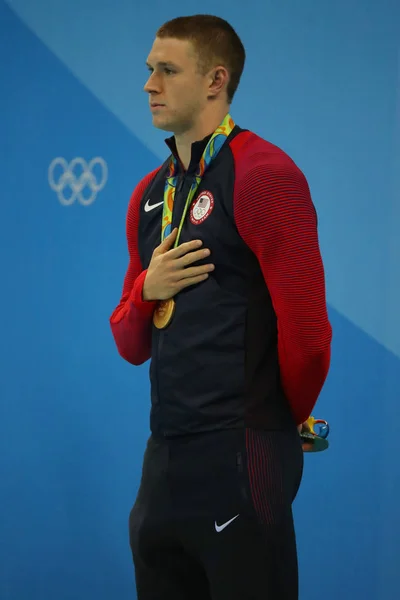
{"x":214,"y":40}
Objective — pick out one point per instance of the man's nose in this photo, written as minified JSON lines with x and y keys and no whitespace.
{"x":152,"y":85}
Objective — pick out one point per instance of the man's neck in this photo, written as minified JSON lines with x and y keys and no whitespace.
{"x":206,"y":125}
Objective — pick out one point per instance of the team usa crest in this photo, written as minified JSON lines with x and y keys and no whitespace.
{"x":201,"y":208}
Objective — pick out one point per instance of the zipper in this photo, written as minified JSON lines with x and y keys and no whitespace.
{"x":157,"y":374}
{"x":242,"y":483}
{"x":182,"y":180}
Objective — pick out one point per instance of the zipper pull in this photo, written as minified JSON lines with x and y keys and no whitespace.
{"x":181,"y":182}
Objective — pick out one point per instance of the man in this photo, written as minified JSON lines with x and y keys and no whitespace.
{"x":225,"y":293}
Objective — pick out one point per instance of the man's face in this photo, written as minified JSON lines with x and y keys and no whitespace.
{"x":177,"y":91}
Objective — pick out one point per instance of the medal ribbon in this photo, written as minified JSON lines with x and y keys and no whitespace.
{"x":213,"y":147}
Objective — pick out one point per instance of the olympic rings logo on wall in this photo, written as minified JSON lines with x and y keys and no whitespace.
{"x":77,"y":177}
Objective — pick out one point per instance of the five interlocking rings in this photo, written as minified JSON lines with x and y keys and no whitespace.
{"x":77,"y":183}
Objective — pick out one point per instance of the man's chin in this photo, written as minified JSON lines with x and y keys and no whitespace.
{"x":162,"y":124}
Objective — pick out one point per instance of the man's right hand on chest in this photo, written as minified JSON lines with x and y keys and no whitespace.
{"x":170,"y":269}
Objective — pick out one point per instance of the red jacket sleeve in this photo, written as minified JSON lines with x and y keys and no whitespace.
{"x":275,"y":216}
{"x":131,"y":321}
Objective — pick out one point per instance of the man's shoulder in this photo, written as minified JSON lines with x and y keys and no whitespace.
{"x":252,"y":152}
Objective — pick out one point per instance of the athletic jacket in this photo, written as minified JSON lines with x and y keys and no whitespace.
{"x":250,"y":346}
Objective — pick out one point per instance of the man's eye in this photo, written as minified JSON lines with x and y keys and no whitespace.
{"x":168,"y":71}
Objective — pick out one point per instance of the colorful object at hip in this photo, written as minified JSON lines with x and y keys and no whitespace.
{"x":312,"y":441}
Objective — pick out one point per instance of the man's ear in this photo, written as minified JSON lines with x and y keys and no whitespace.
{"x":218,"y":81}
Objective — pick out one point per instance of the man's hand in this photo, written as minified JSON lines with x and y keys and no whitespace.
{"x":303,"y":427}
{"x":169,"y":270}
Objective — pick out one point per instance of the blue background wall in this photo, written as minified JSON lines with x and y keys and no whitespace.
{"x":322,"y":81}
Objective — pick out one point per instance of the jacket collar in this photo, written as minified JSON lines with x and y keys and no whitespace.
{"x":196,"y":152}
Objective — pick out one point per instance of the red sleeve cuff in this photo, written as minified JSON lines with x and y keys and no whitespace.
{"x":136,"y":296}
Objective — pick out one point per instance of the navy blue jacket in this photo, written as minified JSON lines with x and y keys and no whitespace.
{"x":250,"y":346}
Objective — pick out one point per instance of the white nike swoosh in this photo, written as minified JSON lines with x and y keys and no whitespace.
{"x":148,"y":207}
{"x":219,"y":528}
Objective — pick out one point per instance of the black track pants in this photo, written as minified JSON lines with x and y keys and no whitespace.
{"x":213,"y":517}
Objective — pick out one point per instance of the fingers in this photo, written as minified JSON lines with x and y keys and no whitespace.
{"x":184,"y":283}
{"x":167,"y":243}
{"x":190,"y":258}
{"x":191,"y":272}
{"x":183,"y":249}
{"x":170,"y":270}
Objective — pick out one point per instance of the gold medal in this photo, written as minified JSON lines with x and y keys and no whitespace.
{"x":163,"y":313}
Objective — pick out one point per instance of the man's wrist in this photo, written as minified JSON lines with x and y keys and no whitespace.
{"x":145,"y":292}
{"x":139,"y":295}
